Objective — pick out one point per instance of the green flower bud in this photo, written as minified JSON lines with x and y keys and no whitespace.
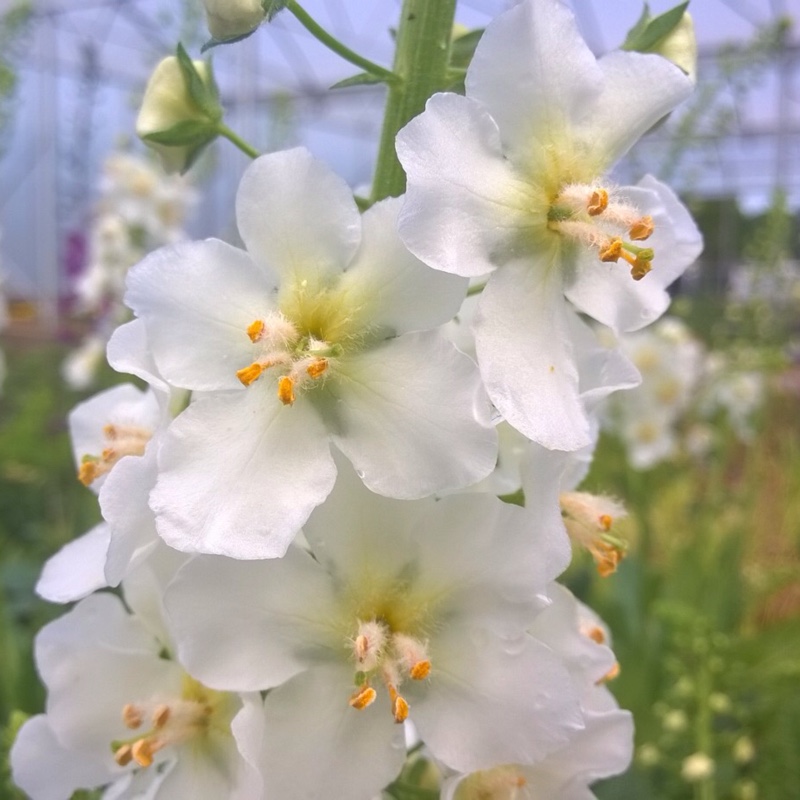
{"x":680,"y":47}
{"x":229,"y":19}
{"x":180,"y":111}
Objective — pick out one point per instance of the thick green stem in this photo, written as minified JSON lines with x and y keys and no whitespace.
{"x":421,"y":65}
{"x":332,"y":43}
{"x":246,"y":148}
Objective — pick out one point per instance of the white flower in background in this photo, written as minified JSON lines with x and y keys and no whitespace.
{"x":778,"y":285}
{"x":411,"y":610}
{"x":80,"y":366}
{"x":121,"y":711}
{"x":671,"y":362}
{"x":602,"y":749}
{"x":317,"y":335}
{"x":510,"y":180}
{"x":231,"y":18}
{"x":736,"y":392}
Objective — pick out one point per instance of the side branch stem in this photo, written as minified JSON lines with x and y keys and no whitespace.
{"x":246,"y":148}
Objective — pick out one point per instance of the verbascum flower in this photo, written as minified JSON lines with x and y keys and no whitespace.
{"x":510,"y":180}
{"x":319,"y":334}
{"x":413,"y":610}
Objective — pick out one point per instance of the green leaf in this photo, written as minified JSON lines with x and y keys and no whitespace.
{"x":362,"y":79}
{"x":187,"y":133}
{"x":231,"y":40}
{"x":639,"y":28}
{"x":204,"y":95}
{"x":273,"y":7}
{"x":654,"y":29}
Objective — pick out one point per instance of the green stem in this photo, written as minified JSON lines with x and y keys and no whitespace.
{"x":421,"y":65}
{"x":246,"y":148}
{"x":318,"y":32}
{"x":476,"y":289}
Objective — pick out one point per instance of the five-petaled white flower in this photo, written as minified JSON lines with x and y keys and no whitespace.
{"x":320,"y":333}
{"x":509,"y":180}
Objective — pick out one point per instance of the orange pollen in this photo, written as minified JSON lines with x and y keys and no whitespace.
{"x":286,"y":390}
{"x":641,"y":229}
{"x":255,"y":330}
{"x":248,"y":375}
{"x":124,"y":755}
{"x":420,"y":670}
{"x":613,"y":251}
{"x":596,"y":635}
{"x":88,"y":472}
{"x":607,"y":558}
{"x":363,"y":697}
{"x":639,"y":268}
{"x":131,"y":716}
{"x":142,"y":751}
{"x":400,"y":709}
{"x":605,"y":521}
{"x":161,"y":716}
{"x":598,"y":202}
{"x":317,"y":368}
{"x":611,"y":674}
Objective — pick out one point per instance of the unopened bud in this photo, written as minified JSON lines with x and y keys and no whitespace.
{"x":230,"y":19}
{"x":680,"y":47}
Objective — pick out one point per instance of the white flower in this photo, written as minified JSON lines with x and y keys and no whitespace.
{"x":602,"y":749}
{"x":340,"y":353}
{"x":120,"y":712}
{"x":406,"y":609}
{"x":509,"y":180}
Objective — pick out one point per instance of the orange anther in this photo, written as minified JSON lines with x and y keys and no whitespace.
{"x":88,"y":472}
{"x":363,"y":697}
{"x":596,"y":635}
{"x":255,"y":330}
{"x":249,"y":374}
{"x":612,"y":251}
{"x":605,"y":521}
{"x":400,"y":709}
{"x":131,"y":716}
{"x":142,"y":752}
{"x":286,"y":390}
{"x":610,"y":675}
{"x":123,"y":756}
{"x":598,"y":202}
{"x":640,"y":268}
{"x":161,"y":716}
{"x":420,"y":670}
{"x":642,"y":229}
{"x":316,"y":368}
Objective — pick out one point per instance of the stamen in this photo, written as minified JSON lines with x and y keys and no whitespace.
{"x":640,"y":268}
{"x":642,"y":229}
{"x":123,"y":755}
{"x":143,"y":751}
{"x":420,"y":670}
{"x":399,"y":704}
{"x":610,"y":675}
{"x":596,"y":634}
{"x":131,"y":716}
{"x":605,"y":521}
{"x":598,"y":202}
{"x":363,"y":697}
{"x":286,"y":390}
{"x":89,"y":471}
{"x":161,"y":716}
{"x":316,"y":368}
{"x":255,"y":330}
{"x":248,"y":375}
{"x":612,"y":251}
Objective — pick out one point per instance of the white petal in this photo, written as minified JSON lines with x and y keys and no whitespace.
{"x":197,"y":300}
{"x":389,"y":284}
{"x":608,"y":293}
{"x":240,"y":473}
{"x":638,"y":90}
{"x":413,"y":418}
{"x":526,"y":354}
{"x":248,"y":730}
{"x":316,"y":745}
{"x":518,"y":690}
{"x":465,"y":209}
{"x":534,"y":73}
{"x":297,"y":217}
{"x":46,"y":770}
{"x":129,"y":351}
{"x":262,"y":629}
{"x":77,"y":569}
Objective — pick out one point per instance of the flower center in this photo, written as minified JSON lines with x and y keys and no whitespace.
{"x":163,"y":724}
{"x":299,"y":360}
{"x":392,"y":657}
{"x":120,"y":440}
{"x":592,"y":217}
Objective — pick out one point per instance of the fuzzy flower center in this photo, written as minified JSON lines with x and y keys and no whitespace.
{"x":297,"y":360}
{"x":119,"y":441}
{"x":381,"y":654}
{"x":594,"y":218}
{"x":166,"y":723}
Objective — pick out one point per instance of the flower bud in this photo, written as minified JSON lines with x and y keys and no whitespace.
{"x":180,"y":111}
{"x":680,"y":47}
{"x":229,"y":19}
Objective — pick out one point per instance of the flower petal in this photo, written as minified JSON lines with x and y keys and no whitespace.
{"x":389,"y":284}
{"x":239,"y":474}
{"x":534,"y":73}
{"x":465,"y":209}
{"x":412,"y":417}
{"x":638,"y":90}
{"x":197,"y":300}
{"x":526,"y":354}
{"x":77,"y":569}
{"x":315,"y":742}
{"x":297,"y":217}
